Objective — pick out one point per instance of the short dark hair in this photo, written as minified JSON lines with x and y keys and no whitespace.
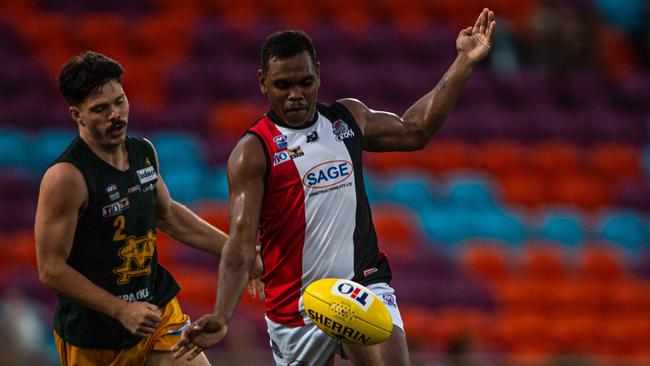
{"x":83,"y":74}
{"x":286,"y":44}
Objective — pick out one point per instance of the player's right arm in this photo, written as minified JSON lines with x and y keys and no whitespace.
{"x":246,"y":169}
{"x":63,"y":196}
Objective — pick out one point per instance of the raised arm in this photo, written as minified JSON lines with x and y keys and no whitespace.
{"x":63,"y":195}
{"x":384,"y":131}
{"x":182,"y":224}
{"x":246,"y":169}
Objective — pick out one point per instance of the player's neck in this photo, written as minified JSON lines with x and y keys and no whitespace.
{"x":116,"y":156}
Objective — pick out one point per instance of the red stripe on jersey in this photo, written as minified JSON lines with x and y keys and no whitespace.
{"x":283,"y":230}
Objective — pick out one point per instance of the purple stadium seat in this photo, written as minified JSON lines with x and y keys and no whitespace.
{"x":634,"y":195}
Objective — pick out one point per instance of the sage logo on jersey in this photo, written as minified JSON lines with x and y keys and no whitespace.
{"x":137,"y":253}
{"x":147,"y":174}
{"x":347,"y":290}
{"x":327,"y":174}
{"x":280,"y":157}
{"x":281,"y":141}
{"x":341,"y":130}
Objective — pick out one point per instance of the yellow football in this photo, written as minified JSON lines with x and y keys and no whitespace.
{"x":347,"y":311}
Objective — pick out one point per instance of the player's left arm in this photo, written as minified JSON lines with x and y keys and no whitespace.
{"x":384,"y":131}
{"x":182,"y":224}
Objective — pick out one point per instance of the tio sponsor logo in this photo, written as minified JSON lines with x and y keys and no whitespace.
{"x":280,"y":157}
{"x":328,"y":174}
{"x":348,"y":290}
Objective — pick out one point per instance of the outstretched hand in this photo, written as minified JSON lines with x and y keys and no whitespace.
{"x":201,"y":334}
{"x":475,"y":42}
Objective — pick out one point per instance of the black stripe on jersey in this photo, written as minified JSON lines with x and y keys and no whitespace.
{"x":366,"y":250}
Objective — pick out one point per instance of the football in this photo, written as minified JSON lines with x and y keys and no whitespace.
{"x":347,"y":311}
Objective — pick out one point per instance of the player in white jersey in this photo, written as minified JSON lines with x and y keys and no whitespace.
{"x":296,"y":180}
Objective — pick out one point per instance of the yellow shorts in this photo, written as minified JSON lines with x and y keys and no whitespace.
{"x":163,"y":339}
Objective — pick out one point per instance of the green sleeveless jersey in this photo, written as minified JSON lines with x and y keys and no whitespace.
{"x":114,"y":244}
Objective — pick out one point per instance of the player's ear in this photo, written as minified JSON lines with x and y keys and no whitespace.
{"x":262,"y":80}
{"x":75,"y":114}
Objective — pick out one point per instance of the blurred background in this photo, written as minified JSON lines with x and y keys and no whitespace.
{"x":520,"y":235}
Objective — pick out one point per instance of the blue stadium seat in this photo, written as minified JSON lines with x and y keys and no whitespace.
{"x":185,"y":184}
{"x":14,"y":147}
{"x":445,"y":224}
{"x":411,"y":189}
{"x":563,"y":226}
{"x":48,"y":146}
{"x":215,"y":183}
{"x":177,"y":151}
{"x":496,"y":224}
{"x":471,"y":192}
{"x":626,"y":228}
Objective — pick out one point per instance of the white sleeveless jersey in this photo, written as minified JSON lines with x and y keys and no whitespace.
{"x":315,"y":220}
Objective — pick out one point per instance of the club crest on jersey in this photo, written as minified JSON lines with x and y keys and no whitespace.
{"x":112,"y":191}
{"x":116,"y":208}
{"x":281,"y":141}
{"x":341,"y":130}
{"x":147,"y":174}
{"x":281,"y":157}
{"x":347,"y":290}
{"x":327,"y":174}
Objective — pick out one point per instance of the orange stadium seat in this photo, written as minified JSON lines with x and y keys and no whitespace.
{"x":294,"y":14}
{"x":387,"y":161}
{"x":502,"y":157}
{"x":354,"y":17}
{"x":519,"y":334}
{"x":216,"y":213}
{"x":524,"y":188}
{"x":449,"y":325}
{"x":232,"y":119}
{"x":485,"y":260}
{"x":602,"y":264}
{"x":163,"y":38}
{"x":198,"y":286}
{"x":396,"y":228}
{"x":104,"y":33}
{"x":556,"y":158}
{"x":543,"y":263}
{"x":584,"y":190}
{"x":416,"y":322}
{"x":50,"y":36}
{"x":244,"y":14}
{"x":442,"y":156}
{"x":408,"y":16}
{"x":617,"y":161}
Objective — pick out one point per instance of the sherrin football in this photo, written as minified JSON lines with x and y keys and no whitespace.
{"x":347,"y":311}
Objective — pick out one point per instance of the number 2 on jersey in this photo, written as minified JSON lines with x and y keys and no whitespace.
{"x":119,"y":223}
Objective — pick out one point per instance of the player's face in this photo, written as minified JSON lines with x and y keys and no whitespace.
{"x":104,"y":115}
{"x":291,"y":86}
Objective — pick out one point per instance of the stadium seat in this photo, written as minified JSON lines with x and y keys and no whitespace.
{"x":14,"y":147}
{"x":502,"y":157}
{"x":625,"y":228}
{"x":215,"y":212}
{"x":617,"y":161}
{"x":48,"y":145}
{"x":397,"y":230}
{"x":177,"y":150}
{"x":485,"y":260}
{"x":602,"y":264}
{"x":232,"y":119}
{"x":445,"y":224}
{"x":583,"y":190}
{"x":470,"y":192}
{"x":527,"y":189}
{"x":411,"y":189}
{"x":543,"y":263}
{"x":556,"y":158}
{"x":444,"y":156}
{"x":185,"y":184}
{"x":496,"y":224}
{"x":563,"y":226}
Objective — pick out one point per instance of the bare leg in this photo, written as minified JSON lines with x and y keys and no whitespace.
{"x":393,"y":352}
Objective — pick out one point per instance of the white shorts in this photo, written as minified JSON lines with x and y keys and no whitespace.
{"x":309,"y":346}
